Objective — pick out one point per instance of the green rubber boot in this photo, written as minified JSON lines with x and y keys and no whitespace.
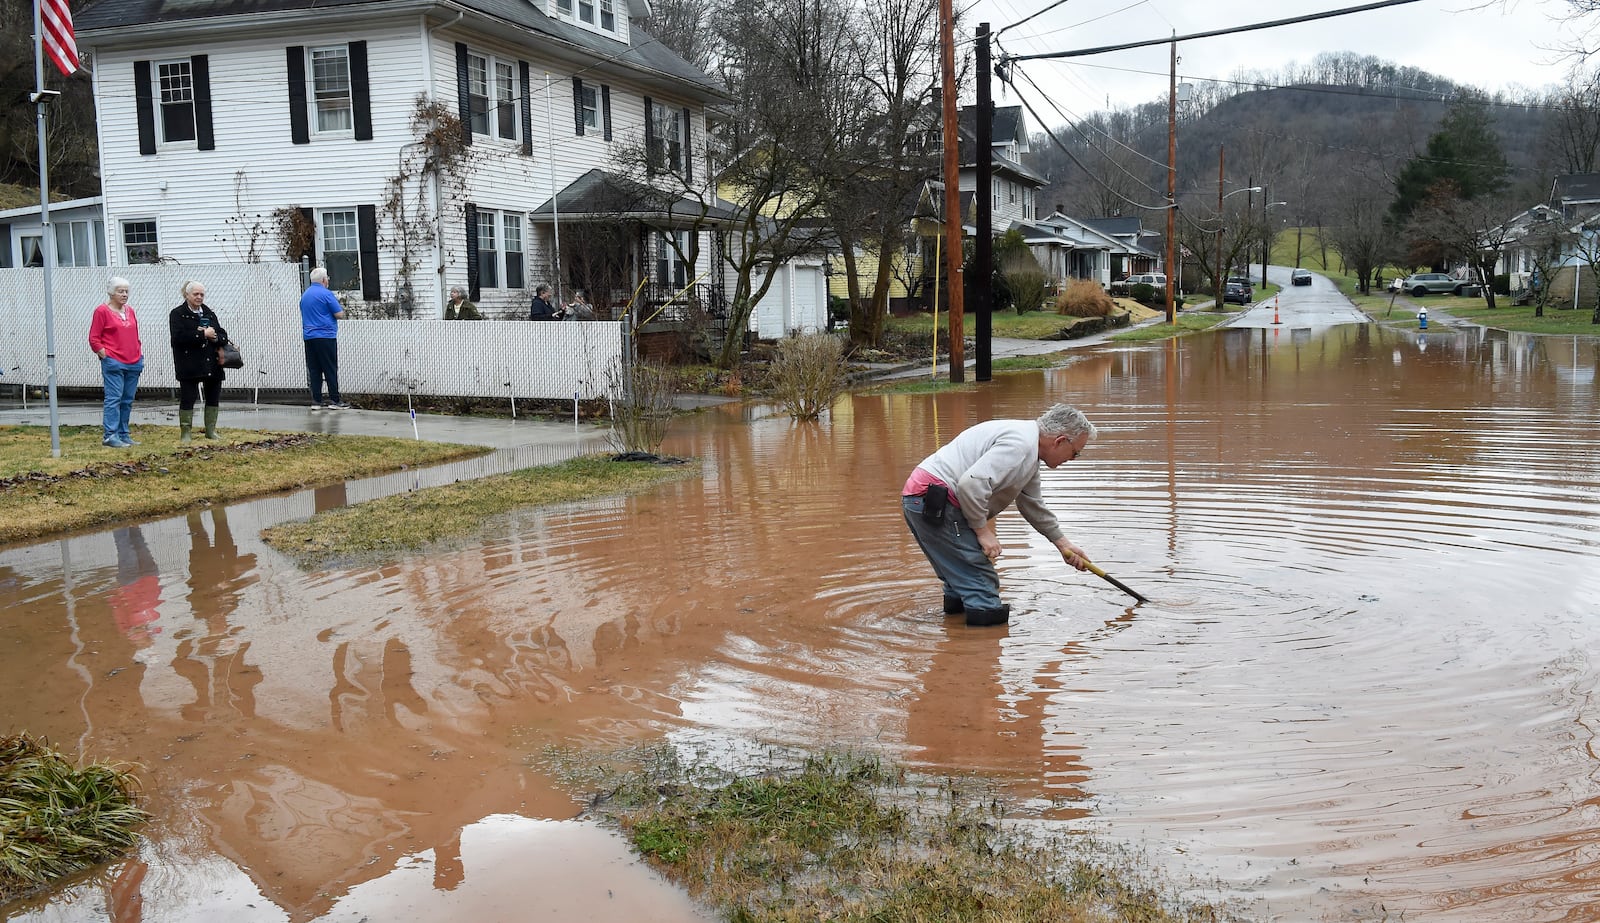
{"x":211,"y":422}
{"x":185,"y":426}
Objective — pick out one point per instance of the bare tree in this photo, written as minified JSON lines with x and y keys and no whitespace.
{"x":681,"y":25}
{"x":1362,"y":234}
{"x":1573,"y":135}
{"x":1447,"y":226}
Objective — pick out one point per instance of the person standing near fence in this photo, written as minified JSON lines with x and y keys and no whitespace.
{"x":320,"y":313}
{"x":114,"y":337}
{"x":542,"y":307}
{"x":196,"y":334}
{"x":459,"y":308}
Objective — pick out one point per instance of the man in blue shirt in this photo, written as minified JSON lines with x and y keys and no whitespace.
{"x":320,"y":313}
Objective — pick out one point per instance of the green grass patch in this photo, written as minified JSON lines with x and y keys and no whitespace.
{"x":1508,"y":316}
{"x":91,"y":485}
{"x":402,"y":523}
{"x":1187,"y":324}
{"x":847,"y":837}
{"x":920,"y":386}
{"x":1034,"y":325}
{"x":57,"y":819}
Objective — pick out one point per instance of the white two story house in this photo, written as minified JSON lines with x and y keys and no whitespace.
{"x":406,"y":145}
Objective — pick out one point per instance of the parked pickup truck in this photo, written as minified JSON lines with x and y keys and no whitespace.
{"x":1157,"y":279}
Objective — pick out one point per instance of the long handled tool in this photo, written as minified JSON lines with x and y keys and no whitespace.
{"x":1094,"y":569}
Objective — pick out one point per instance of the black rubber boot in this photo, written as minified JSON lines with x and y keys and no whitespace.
{"x":981,"y":618}
{"x":953,"y":606}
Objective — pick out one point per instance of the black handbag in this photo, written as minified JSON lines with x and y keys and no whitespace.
{"x":228,"y":355}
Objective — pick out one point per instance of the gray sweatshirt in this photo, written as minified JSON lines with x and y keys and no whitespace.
{"x":991,"y":465}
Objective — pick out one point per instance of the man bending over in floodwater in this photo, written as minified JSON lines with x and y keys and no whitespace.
{"x":952,"y":498}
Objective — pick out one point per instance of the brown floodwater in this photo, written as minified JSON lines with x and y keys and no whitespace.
{"x":1364,"y":687}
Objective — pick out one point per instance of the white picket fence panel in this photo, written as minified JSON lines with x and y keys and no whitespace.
{"x":259,"y":304}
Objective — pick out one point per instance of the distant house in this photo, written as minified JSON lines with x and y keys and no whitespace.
{"x":1576,"y":195}
{"x":265,"y":130}
{"x":78,"y":226}
{"x":1014,"y":187}
{"x":1143,"y":246}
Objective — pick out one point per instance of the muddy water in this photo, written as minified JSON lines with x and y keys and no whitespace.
{"x":1364,"y":684}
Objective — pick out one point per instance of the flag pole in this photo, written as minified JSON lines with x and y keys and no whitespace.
{"x":41,"y":97}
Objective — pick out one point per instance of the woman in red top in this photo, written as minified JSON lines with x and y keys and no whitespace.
{"x":114,"y":337}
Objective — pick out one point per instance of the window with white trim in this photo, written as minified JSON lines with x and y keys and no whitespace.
{"x":330,"y":89}
{"x":564,"y":6}
{"x":608,"y":15}
{"x":667,"y":122}
{"x":75,"y":243}
{"x":512,"y":239}
{"x":341,"y":249}
{"x":32,"y":251}
{"x":505,"y":100}
{"x":140,"y":242}
{"x":672,"y":250}
{"x":478,"y":94}
{"x":488,"y":249}
{"x":589,"y":100}
{"x":586,"y":11}
{"x":177,"y":101}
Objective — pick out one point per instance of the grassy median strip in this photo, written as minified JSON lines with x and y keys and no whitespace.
{"x":90,"y":485}
{"x":56,"y":818}
{"x":848,"y":837}
{"x":406,"y":522}
{"x":1187,"y":324}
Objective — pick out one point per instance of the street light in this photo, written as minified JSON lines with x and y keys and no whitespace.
{"x":1266,"y":240}
{"x":1221,"y":271}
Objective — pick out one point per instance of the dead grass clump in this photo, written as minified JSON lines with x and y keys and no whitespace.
{"x":641,"y":394}
{"x":850,"y":838}
{"x":1084,"y":298}
{"x":56,"y":819}
{"x":808,"y":374}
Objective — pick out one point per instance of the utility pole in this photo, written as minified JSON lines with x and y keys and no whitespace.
{"x":1172,"y":181}
{"x":1266,"y":235}
{"x":1249,"y":210}
{"x":1221,"y":276}
{"x":983,"y":202}
{"x":952,"y":191}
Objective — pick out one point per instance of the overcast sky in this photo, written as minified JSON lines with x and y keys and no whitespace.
{"x":1494,"y":46}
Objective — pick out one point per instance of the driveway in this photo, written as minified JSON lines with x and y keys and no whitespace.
{"x":1319,"y":304}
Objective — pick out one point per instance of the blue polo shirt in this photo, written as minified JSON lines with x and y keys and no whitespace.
{"x":317,"y":307}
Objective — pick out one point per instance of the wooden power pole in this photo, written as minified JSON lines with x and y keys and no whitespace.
{"x":952,"y":192}
{"x":1172,"y":185}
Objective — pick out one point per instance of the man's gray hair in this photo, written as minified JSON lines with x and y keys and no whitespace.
{"x":116,"y":282}
{"x":1062,"y":420}
{"x":319,"y":275}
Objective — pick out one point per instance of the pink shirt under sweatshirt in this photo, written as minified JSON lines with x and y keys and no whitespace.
{"x":118,"y":337}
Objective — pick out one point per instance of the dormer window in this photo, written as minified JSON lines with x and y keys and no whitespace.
{"x":564,"y":6}
{"x":608,"y":16}
{"x":586,"y":11}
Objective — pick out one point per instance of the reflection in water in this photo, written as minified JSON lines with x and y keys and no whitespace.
{"x":1363,"y":681}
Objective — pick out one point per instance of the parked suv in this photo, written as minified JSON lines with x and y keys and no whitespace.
{"x":1235,"y":293}
{"x":1424,"y":283}
{"x":1300,"y":277}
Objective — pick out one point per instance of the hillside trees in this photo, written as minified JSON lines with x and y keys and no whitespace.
{"x":1572,"y":137}
{"x":1449,"y":225}
{"x":1361,"y":232}
{"x":71,"y":139}
{"x":1464,"y":152}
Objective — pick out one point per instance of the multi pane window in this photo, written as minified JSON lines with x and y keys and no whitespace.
{"x":505,"y":100}
{"x":75,"y":246}
{"x":341,"y":249}
{"x":668,"y":151}
{"x":513,"y":242}
{"x":330,"y":88}
{"x":564,"y":6}
{"x":672,"y":269}
{"x":177,"y":101}
{"x":589,"y":102}
{"x":586,"y":11}
{"x":477,"y":94}
{"x":488,"y":251}
{"x":608,"y":16}
{"x":139,"y":242}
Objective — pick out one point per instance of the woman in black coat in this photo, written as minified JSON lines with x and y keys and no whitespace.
{"x":196,"y":334}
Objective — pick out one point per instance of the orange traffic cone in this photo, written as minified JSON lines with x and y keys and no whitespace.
{"x":1275,"y":310}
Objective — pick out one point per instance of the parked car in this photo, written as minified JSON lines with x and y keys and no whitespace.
{"x":1244,"y":281}
{"x":1425,"y":283}
{"x":1157,"y":279}
{"x":1234,"y":293}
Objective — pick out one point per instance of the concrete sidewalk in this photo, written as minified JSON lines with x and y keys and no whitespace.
{"x":1006,"y":347}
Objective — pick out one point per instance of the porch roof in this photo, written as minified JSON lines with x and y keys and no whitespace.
{"x":600,"y":195}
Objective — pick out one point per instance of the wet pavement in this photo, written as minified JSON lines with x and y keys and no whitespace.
{"x":1319,"y":304}
{"x":1363,"y":688}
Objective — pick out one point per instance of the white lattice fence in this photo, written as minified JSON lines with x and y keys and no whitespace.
{"x":259,"y":306}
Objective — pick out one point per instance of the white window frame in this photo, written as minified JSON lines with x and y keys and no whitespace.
{"x":80,"y":240}
{"x":503,"y":103}
{"x":37,"y":240}
{"x":479,"y":69}
{"x":328,"y":244}
{"x":564,"y":7}
{"x":513,"y":251}
{"x":589,"y":97}
{"x":608,"y":15}
{"x":182,"y":95}
{"x":317,"y":95}
{"x":586,"y":12}
{"x":154,"y":241}
{"x":502,"y":249}
{"x":489,"y":274}
{"x":669,"y":133}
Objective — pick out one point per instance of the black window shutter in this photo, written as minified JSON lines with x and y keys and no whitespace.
{"x":311,"y":222}
{"x":577,"y":106}
{"x":145,"y":107}
{"x":464,"y":95}
{"x":651,"y":158}
{"x":473,"y":291}
{"x":299,"y":120}
{"x":688,"y":148}
{"x":527,"y":108}
{"x":200,"y":69}
{"x":367,"y":240}
{"x":605,"y":110}
{"x":360,"y":91}
{"x":5,"y":246}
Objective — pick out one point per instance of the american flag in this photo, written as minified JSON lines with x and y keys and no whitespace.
{"x":59,"y":43}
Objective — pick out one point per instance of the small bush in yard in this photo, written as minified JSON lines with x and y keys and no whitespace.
{"x":1084,"y":298}
{"x":808,"y":374}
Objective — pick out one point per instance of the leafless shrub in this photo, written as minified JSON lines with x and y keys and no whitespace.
{"x":641,"y":406}
{"x":808,"y":374}
{"x":1084,"y":298}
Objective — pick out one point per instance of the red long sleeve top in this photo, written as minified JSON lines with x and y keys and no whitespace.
{"x":118,"y":337}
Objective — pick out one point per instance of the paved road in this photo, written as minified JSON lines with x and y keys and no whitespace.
{"x":1319,"y":304}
